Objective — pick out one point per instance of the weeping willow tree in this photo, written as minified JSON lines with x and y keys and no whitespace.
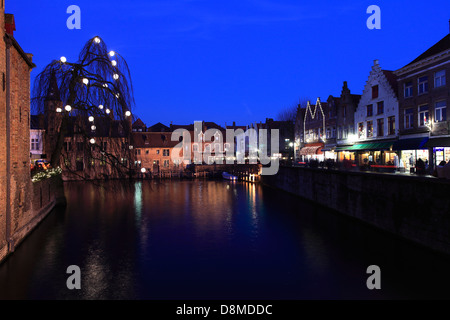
{"x":95,"y":99}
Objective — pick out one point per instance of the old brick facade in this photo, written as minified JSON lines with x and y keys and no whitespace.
{"x":15,"y":183}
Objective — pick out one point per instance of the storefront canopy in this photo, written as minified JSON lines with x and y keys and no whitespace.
{"x":309,"y":151}
{"x":410,"y":144}
{"x":367,"y":146}
{"x":437,"y":142}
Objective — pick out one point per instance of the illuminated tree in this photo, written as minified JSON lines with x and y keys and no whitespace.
{"x":96,"y":98}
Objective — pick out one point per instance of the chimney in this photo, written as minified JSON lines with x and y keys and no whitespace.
{"x":10,"y":25}
{"x":375,"y":62}
{"x":234,"y":124}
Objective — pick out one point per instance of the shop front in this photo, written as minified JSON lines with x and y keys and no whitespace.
{"x":411,"y":151}
{"x":439,"y":149}
{"x":312,"y":151}
{"x":374,"y":156}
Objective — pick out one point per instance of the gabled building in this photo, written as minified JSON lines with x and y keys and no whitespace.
{"x":424,"y":95}
{"x":377,"y":119}
{"x":345,"y":123}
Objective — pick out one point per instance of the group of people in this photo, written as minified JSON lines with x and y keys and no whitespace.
{"x":442,"y":170}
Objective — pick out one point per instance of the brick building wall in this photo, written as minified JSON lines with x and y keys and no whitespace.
{"x":15,"y":183}
{"x":3,"y":246}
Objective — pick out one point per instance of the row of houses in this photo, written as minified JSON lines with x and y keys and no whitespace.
{"x":400,"y":117}
{"x":144,"y":150}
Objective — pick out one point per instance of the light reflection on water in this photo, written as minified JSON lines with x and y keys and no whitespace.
{"x":211,"y":240}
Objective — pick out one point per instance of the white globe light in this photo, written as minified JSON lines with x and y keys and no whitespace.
{"x":112,"y":53}
{"x":143,"y":170}
{"x":127,"y":113}
{"x":115,"y":76}
{"x":97,"y":40}
{"x":85,"y":81}
{"x":59,"y":110}
{"x":92,"y":141}
{"x":63,"y":59}
{"x":91,"y":119}
{"x":100,"y":107}
{"x":105,"y":85}
{"x":108,"y":111}
{"x":68,"y":108}
{"x":114,"y":63}
{"x":93,"y":128}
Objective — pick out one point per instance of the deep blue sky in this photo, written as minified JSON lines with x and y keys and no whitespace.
{"x":230,"y":60}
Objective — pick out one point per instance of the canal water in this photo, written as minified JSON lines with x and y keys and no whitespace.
{"x":212,"y":240}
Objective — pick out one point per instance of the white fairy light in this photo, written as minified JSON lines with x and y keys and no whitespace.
{"x":117,"y":95}
{"x":108,"y":111}
{"x":112,"y":53}
{"x":63,"y":59}
{"x":68,"y":108}
{"x":86,"y":81}
{"x":93,"y":128}
{"x":100,"y":107}
{"x":91,"y":119}
{"x":105,"y":85}
{"x":92,"y":141}
{"x":97,"y":40}
{"x":59,"y":110}
{"x":115,"y":76}
{"x":114,"y":63}
{"x":127,"y":113}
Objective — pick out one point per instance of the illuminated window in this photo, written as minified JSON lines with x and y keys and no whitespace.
{"x":440,"y":111}
{"x":423,"y":115}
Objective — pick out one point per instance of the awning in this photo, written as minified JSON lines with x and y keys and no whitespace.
{"x":342,"y":148}
{"x":410,"y":144}
{"x":309,"y":151}
{"x":367,"y":146}
{"x":437,"y":142}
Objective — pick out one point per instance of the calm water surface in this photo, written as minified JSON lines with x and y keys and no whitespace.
{"x":211,"y":240}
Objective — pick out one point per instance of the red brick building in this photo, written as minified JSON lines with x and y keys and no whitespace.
{"x":15,"y":182}
{"x":424,"y":97}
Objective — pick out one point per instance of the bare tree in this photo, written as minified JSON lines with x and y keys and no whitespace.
{"x":96,"y":95}
{"x":290,"y":113}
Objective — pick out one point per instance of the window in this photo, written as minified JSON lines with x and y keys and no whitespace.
{"x":345,"y":136}
{"x":68,"y":146}
{"x":166,"y":163}
{"x":104,"y":145}
{"x":369,"y":110}
{"x":80,"y":146}
{"x":423,"y":85}
{"x":360,"y":130}
{"x":344,"y":112}
{"x":166,"y":152}
{"x":423,"y":115}
{"x":147,"y":151}
{"x":409,"y":113}
{"x":138,"y":152}
{"x":391,"y":125}
{"x":227,"y":147}
{"x":440,"y":111}
{"x":439,"y":79}
{"x":408,"y":89}
{"x":380,"y":127}
{"x":375,"y":92}
{"x":380,"y":107}
{"x":157,"y":151}
{"x":369,"y":129}
{"x":35,"y":144}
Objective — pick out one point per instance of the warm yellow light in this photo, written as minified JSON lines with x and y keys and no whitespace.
{"x":108,"y":111}
{"x":100,"y":107}
{"x":127,"y":113}
{"x":93,"y":128}
{"x":112,"y":53}
{"x":143,"y":170}
{"x":116,"y":76}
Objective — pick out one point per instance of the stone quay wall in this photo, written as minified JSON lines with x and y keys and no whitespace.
{"x":412,"y":207}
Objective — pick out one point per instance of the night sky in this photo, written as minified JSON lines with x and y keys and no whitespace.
{"x":226,"y":61}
